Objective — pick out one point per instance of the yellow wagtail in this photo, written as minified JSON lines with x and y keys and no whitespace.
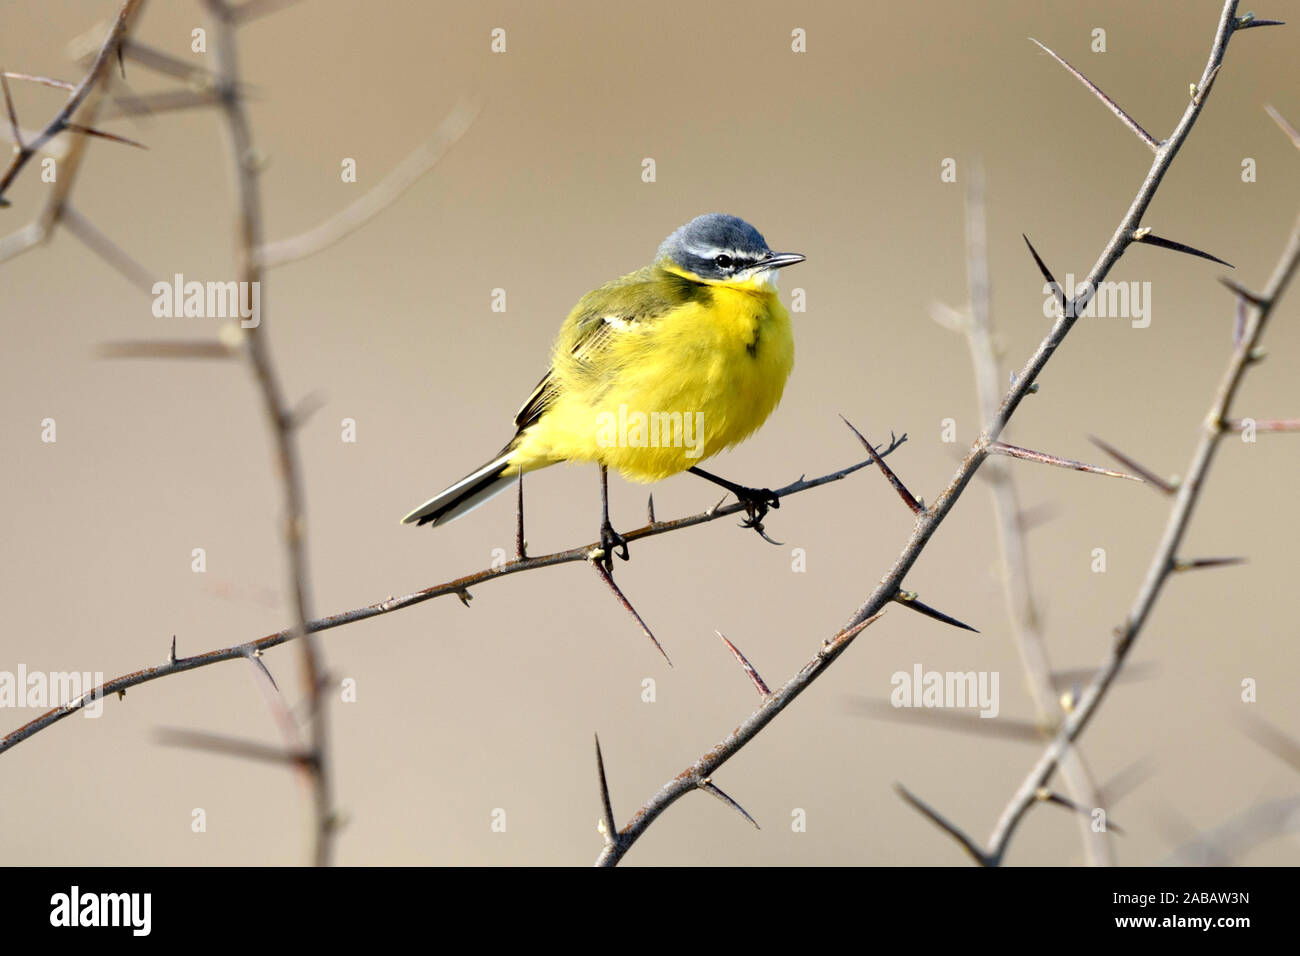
{"x":654,"y":372}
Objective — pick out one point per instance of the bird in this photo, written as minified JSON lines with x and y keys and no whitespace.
{"x":654,"y":372}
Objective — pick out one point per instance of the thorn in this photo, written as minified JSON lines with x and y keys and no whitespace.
{"x":627,"y":605}
{"x":1064,"y":680}
{"x":908,"y":599}
{"x":231,"y":746}
{"x":1111,"y":105}
{"x":307,"y":406}
{"x":948,"y":317}
{"x":13,"y":114}
{"x":1003,"y":728}
{"x":165,"y":349}
{"x":1265,"y":425}
{"x":255,"y":658}
{"x":1242,"y":292}
{"x":1147,"y":476}
{"x":1047,"y":274}
{"x":1239,"y":323}
{"x":43,"y":81}
{"x":608,"y":827}
{"x":104,"y":247}
{"x":744,"y":662}
{"x":650,"y":509}
{"x":465,"y":596}
{"x":845,"y":637}
{"x":102,"y":135}
{"x":714,"y":510}
{"x":1047,"y":796}
{"x":1279,"y":744}
{"x":171,"y":657}
{"x":1030,"y":518}
{"x":1144,"y":236}
{"x":1193,"y":564}
{"x":1283,"y":125}
{"x":1248,"y":20}
{"x":1026,"y":454}
{"x":903,"y":493}
{"x":708,"y":786}
{"x":934,"y":817}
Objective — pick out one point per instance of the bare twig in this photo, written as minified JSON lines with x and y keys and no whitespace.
{"x":84,"y":103}
{"x":458,"y":588}
{"x":1163,"y":562}
{"x":278,"y":412}
{"x":62,"y":120}
{"x":1017,"y":584}
{"x":352,"y":218}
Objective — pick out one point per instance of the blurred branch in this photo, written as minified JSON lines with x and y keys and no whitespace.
{"x":279,"y":414}
{"x":62,"y":119}
{"x":353,"y":217}
{"x":84,"y":102}
{"x":1165,"y":560}
{"x":1017,"y":585}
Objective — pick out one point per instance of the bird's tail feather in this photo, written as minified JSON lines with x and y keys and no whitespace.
{"x":465,"y":495}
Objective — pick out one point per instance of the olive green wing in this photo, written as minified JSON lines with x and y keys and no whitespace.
{"x":615,"y":308}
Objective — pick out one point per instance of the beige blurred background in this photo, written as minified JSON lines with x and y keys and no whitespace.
{"x":834,"y":153}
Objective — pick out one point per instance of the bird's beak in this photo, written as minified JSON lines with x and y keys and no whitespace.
{"x":779,"y":260}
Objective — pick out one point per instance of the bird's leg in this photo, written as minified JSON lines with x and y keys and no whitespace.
{"x":520,"y":544}
{"x":756,"y":500}
{"x":610,"y":540}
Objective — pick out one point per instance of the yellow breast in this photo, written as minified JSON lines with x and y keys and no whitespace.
{"x":662,"y":396}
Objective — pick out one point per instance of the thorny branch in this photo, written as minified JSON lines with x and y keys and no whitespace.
{"x":929,"y":519}
{"x":279,"y":416}
{"x":83,"y":102}
{"x":458,"y":587}
{"x":1026,"y":628}
{"x":1165,"y":561}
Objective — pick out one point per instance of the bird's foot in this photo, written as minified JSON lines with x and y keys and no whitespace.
{"x":610,"y":543}
{"x":756,"y":502}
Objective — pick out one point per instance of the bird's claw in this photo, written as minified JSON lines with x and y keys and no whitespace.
{"x":610,"y":543}
{"x":756,"y":502}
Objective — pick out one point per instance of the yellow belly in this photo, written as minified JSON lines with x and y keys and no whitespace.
{"x":660,"y":399}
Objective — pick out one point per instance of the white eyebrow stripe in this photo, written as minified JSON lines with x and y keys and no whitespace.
{"x":712,"y":252}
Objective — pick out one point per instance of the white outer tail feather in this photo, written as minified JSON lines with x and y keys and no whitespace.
{"x":449,"y":495}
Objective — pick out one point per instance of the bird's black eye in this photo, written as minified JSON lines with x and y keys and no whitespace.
{"x":723,"y":261}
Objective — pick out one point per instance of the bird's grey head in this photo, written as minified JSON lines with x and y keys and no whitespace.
{"x":722,"y":248}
